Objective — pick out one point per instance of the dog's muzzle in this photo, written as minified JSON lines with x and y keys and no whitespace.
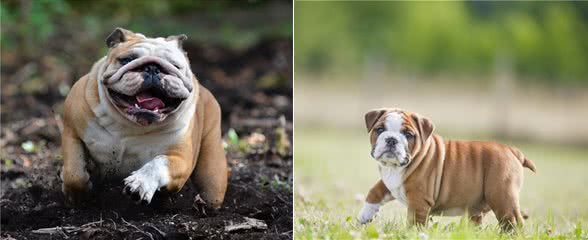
{"x":147,"y":89}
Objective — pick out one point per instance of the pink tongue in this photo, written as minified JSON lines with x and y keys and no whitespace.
{"x":145,"y":100}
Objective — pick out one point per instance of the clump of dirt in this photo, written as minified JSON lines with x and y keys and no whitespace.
{"x":253,"y":87}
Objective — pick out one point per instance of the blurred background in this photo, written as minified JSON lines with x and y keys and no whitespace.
{"x":240,"y":50}
{"x":49,"y":44}
{"x":517,"y":70}
{"x":514,"y":72}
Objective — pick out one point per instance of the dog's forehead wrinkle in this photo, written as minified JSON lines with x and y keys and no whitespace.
{"x":169,"y":53}
{"x":158,"y":45}
{"x":138,"y":50}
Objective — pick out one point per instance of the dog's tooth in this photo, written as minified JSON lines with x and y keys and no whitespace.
{"x":137,"y":106}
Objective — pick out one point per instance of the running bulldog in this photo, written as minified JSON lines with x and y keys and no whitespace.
{"x":140,"y":116}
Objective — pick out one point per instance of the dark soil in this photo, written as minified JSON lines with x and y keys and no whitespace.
{"x":254,"y":88}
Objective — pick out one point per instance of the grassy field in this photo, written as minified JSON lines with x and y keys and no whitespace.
{"x":333,"y":172}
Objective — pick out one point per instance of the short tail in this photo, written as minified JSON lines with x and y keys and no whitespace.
{"x":529,"y":164}
{"x":525,"y":161}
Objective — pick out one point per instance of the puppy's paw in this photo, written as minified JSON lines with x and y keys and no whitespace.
{"x":76,"y":194}
{"x":140,"y":186}
{"x":368,"y":212}
{"x":143,"y":183}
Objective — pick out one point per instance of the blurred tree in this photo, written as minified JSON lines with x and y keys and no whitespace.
{"x":547,"y":40}
{"x":32,"y":26}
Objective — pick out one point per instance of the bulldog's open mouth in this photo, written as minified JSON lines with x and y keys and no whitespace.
{"x":147,"y":89}
{"x":147,"y":106}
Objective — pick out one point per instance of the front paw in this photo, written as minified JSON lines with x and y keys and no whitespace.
{"x":143,"y":183}
{"x":140,"y":187}
{"x":368,"y":212}
{"x":76,"y":194}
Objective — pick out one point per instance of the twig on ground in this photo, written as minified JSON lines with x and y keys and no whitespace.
{"x":156,"y":229}
{"x":250,"y":223}
{"x":278,"y":196}
{"x":113,"y":223}
{"x":57,"y":230}
{"x":137,"y":229}
{"x":91,"y":223}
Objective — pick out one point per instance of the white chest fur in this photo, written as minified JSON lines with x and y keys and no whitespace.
{"x":392,"y":178}
{"x":117,"y":153}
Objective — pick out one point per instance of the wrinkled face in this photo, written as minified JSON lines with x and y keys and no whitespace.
{"x":146,"y":79}
{"x":391,"y":140}
{"x":395,"y":136}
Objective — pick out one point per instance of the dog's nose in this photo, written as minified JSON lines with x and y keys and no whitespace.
{"x":151,"y":69}
{"x":391,"y":141}
{"x":151,"y":76}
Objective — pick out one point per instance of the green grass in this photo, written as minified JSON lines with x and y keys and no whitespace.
{"x":333,"y":172}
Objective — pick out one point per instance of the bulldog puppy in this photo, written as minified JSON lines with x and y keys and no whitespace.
{"x":141,"y":116}
{"x":432,"y":176}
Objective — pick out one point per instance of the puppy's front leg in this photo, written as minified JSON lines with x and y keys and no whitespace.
{"x":170,"y":171}
{"x":75,"y":176}
{"x":418,"y":209}
{"x":377,"y":196}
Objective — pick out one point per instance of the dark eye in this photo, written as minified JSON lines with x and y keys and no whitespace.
{"x":379,"y":130}
{"x":408,"y":134}
{"x":125,"y":60}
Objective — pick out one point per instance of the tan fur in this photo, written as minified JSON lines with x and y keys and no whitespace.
{"x":471,"y":175}
{"x":199,"y":154}
{"x":203,"y":144}
{"x":377,"y":193}
{"x":77,"y":112}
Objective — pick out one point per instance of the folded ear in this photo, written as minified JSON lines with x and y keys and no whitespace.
{"x":117,"y":36}
{"x":426,"y":127}
{"x":178,"y":38}
{"x":372,"y":117}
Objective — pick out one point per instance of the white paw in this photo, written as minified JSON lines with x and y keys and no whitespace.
{"x":367,"y":213}
{"x":143,"y":183}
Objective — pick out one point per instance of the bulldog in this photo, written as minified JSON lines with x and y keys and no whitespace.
{"x":433,"y":176}
{"x":141,"y":116}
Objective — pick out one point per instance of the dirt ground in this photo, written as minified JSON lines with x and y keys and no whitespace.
{"x":254,"y":88}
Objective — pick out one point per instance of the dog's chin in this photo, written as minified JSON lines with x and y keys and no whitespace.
{"x":146,"y":107}
{"x":389,"y":159}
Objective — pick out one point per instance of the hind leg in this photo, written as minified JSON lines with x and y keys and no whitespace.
{"x":504,"y":201}
{"x":477,"y":213}
{"x":477,"y":218}
{"x":509,"y":216}
{"x":211,"y":173}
